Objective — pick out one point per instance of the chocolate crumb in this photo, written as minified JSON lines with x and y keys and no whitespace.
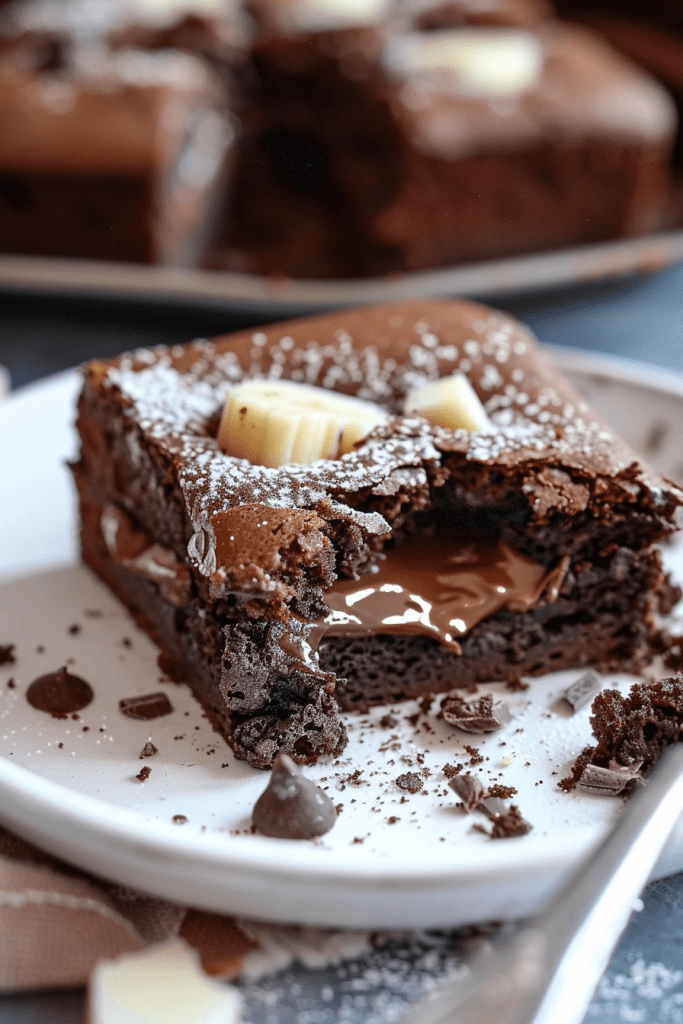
{"x":516,"y":685}
{"x":291,"y":806}
{"x":450,"y":770}
{"x":178,"y":819}
{"x":392,"y":820}
{"x":480,"y":716}
{"x":358,"y":839}
{"x":632,"y":733}
{"x":144,"y":773}
{"x":502,"y":791}
{"x":148,"y":750}
{"x":11,"y":685}
{"x":410,"y":781}
{"x":146,"y":707}
{"x":126,"y":642}
{"x":475,"y":756}
{"x":74,"y":630}
{"x":40,"y":649}
{"x":582,"y":690}
{"x":7,"y":654}
{"x":510,"y":825}
{"x":59,"y":693}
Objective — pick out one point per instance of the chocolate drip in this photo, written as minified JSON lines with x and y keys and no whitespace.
{"x":59,"y":693}
{"x":437,"y":587}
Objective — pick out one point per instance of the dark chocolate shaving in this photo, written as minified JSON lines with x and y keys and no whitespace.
{"x":146,"y":707}
{"x":608,"y":781}
{"x":59,"y":693}
{"x":149,"y":750}
{"x":469,"y":789}
{"x":7,"y":654}
{"x":291,"y":806}
{"x":582,"y":690}
{"x":493,"y":807}
{"x":478,"y":716}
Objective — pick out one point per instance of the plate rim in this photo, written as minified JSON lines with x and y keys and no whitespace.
{"x":506,"y":276}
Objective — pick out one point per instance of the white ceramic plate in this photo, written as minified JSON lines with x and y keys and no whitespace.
{"x":274,"y":296}
{"x":70,"y":785}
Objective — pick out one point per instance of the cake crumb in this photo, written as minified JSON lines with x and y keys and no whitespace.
{"x":410,"y":781}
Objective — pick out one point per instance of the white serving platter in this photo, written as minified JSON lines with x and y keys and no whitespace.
{"x":280,"y":296}
{"x":70,"y":785}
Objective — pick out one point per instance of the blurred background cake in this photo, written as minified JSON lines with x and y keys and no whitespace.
{"x":328,"y":138}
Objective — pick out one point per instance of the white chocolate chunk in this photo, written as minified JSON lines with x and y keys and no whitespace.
{"x":492,"y":61}
{"x":279,"y":423}
{"x":163,"y":984}
{"x":449,"y":402}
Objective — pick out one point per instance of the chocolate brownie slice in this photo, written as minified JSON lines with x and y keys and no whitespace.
{"x":431,"y":133}
{"x":107,"y":154}
{"x":539,"y":529}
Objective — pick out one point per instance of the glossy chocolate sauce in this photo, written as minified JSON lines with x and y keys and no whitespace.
{"x":59,"y":693}
{"x":437,"y":587}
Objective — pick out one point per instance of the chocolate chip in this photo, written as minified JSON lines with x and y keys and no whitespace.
{"x":148,"y":750}
{"x":469,"y":789}
{"x":479,"y":716}
{"x":146,"y":707}
{"x":144,"y":773}
{"x":59,"y":693}
{"x":582,"y":690}
{"x":7,"y":654}
{"x":411,"y":782}
{"x":291,"y":806}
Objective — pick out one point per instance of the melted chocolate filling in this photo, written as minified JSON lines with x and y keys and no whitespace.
{"x":437,"y":587}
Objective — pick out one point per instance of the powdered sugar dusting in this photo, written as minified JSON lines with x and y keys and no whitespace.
{"x":174,"y":397}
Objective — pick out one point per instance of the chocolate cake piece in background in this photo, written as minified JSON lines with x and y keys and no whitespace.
{"x":429,"y":134}
{"x":651,"y":36}
{"x":105,"y":154}
{"x":233,"y":568}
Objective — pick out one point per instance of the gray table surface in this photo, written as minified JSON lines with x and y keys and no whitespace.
{"x":638,"y":318}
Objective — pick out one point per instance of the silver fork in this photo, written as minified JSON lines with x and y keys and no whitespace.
{"x":548,"y":972}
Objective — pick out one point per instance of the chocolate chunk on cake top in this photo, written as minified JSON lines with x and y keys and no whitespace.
{"x":426,"y":558}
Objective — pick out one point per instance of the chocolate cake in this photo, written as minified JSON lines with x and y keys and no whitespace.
{"x":106,"y":153}
{"x":427,"y":558}
{"x":428,"y":134}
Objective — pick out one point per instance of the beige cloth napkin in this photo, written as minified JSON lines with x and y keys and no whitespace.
{"x":57,"y":922}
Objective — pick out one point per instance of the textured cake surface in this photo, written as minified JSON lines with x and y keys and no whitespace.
{"x":247,"y":553}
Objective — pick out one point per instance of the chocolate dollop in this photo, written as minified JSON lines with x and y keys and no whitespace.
{"x":291,"y":806}
{"x":59,"y":693}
